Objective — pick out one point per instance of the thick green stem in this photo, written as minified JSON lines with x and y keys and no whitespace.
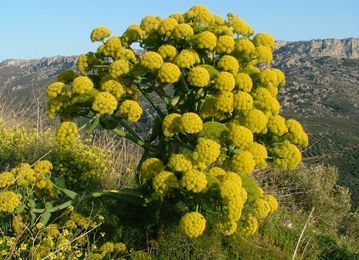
{"x":153,"y":104}
{"x":133,"y":139}
{"x":129,"y":129}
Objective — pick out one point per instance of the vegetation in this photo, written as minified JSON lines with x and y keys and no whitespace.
{"x":205,"y":183}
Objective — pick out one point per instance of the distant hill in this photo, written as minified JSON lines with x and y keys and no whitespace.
{"x":322,"y":90}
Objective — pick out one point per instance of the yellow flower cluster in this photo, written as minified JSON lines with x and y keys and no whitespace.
{"x":272,"y":202}
{"x":82,"y":85}
{"x":43,"y":167}
{"x":151,"y":60}
{"x":296,"y":133}
{"x":180,"y":163}
{"x":167,"y":26}
{"x":199,"y":14}
{"x":67,"y":133}
{"x":150,"y":168}
{"x":224,"y":101}
{"x":264,"y":39}
{"x":260,"y":208}
{"x":242,"y":101}
{"x":131,"y":109}
{"x":244,"y":48}
{"x":206,"y":151}
{"x":163,"y":182}
{"x":249,"y":225}
{"x":192,"y":224}
{"x":114,"y":87}
{"x":216,"y":171}
{"x":255,"y":120}
{"x":119,"y":67}
{"x":239,"y":26}
{"x":167,"y":52}
{"x":240,"y":136}
{"x":169,"y":73}
{"x":225,"y":81}
{"x":259,"y":153}
{"x":228,"y":63}
{"x":171,"y":124}
{"x":55,"y":89}
{"x":206,"y":40}
{"x":9,"y":201}
{"x":225,"y":44}
{"x":198,"y":77}
{"x":194,"y":181}
{"x":244,"y":82}
{"x":100,"y":33}
{"x":183,"y":31}
{"x":287,"y":156}
{"x":6,"y":178}
{"x":263,"y":54}
{"x":191,"y":123}
{"x":104,"y":103}
{"x":243,"y":161}
{"x":276,"y":125}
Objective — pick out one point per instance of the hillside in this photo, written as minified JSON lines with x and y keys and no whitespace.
{"x":322,"y":91}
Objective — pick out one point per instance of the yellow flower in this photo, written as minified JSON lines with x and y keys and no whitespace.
{"x":194,"y":181}
{"x":6,"y":178}
{"x":167,"y":52}
{"x":255,"y":120}
{"x":183,"y":31}
{"x":224,"y":81}
{"x":263,"y":54}
{"x":264,"y":39}
{"x":185,"y":59}
{"x":179,"y":163}
{"x":224,"y":101}
{"x":104,"y":103}
{"x":198,"y":77}
{"x":260,"y":208}
{"x":82,"y":85}
{"x":107,"y":247}
{"x":228,"y":228}
{"x":114,"y":87}
{"x":120,"y":247}
{"x":228,"y":63}
{"x":112,"y":45}
{"x":171,"y":124}
{"x":192,"y":224}
{"x":206,"y":40}
{"x":24,"y":175}
{"x":287,"y":156}
{"x":241,"y":136}
{"x":244,"y":48}
{"x":259,"y":153}
{"x":9,"y":201}
{"x":151,"y":60}
{"x":225,"y":44}
{"x":249,"y":225}
{"x":169,"y":73}
{"x":206,"y":151}
{"x":276,"y":125}
{"x":119,"y":67}
{"x":150,"y":23}
{"x":244,"y":82}
{"x":200,"y":14}
{"x":43,"y":167}
{"x":242,"y":101}
{"x":150,"y":168}
{"x":191,"y":123}
{"x":239,"y":26}
{"x":164,"y":182}
{"x":216,"y":171}
{"x":178,"y":17}
{"x":296,"y":133}
{"x":167,"y":26}
{"x":100,"y":33}
{"x":131,"y":110}
{"x":243,"y":161}
{"x":67,"y":134}
{"x":272,"y":202}
{"x":55,"y":89}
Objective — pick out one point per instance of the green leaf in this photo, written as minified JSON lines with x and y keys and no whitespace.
{"x":71,"y":194}
{"x":45,"y":217}
{"x":20,"y":208}
{"x":128,"y":195}
{"x":94,"y":124}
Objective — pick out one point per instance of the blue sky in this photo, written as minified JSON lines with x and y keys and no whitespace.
{"x":38,"y":28}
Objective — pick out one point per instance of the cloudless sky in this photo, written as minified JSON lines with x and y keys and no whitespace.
{"x":38,"y":28}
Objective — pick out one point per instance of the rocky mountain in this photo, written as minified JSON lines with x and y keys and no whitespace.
{"x":322,"y":90}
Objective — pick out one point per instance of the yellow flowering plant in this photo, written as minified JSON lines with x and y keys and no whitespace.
{"x":216,"y":117}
